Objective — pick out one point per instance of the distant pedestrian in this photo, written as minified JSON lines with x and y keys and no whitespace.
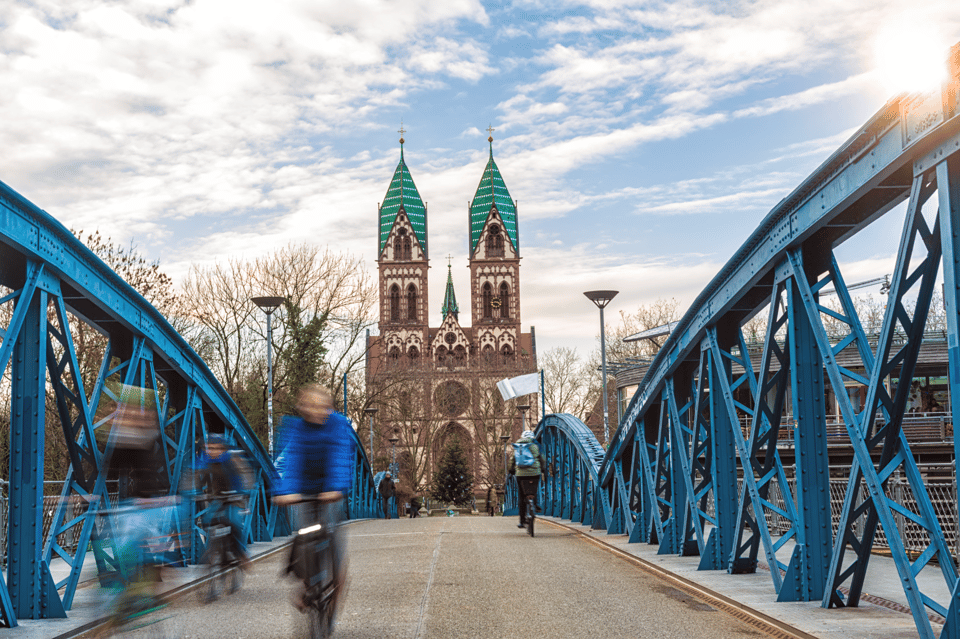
{"x":387,"y":490}
{"x":492,"y":500}
{"x":414,"y":507}
{"x":913,"y":398}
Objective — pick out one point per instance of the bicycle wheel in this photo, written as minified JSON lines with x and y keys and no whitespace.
{"x":234,"y":580}
{"x":531,"y":515}
{"x":320,"y":618}
{"x":212,"y":588}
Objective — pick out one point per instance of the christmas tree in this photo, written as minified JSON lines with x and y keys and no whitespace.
{"x":452,"y":482}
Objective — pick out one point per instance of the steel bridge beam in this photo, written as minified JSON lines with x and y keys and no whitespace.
{"x":55,"y":281}
{"x":681,"y":441}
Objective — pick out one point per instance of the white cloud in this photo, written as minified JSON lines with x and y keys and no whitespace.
{"x":210,"y":128}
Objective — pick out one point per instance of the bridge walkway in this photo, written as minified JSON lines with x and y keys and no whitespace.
{"x":483,"y":577}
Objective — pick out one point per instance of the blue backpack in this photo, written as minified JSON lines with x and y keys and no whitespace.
{"x":523,"y":455}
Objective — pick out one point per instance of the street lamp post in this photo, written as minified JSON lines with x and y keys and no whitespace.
{"x":371,"y":411}
{"x":523,"y":408}
{"x":503,"y":440}
{"x":393,"y":465}
{"x":268,"y":305}
{"x":601,"y":299}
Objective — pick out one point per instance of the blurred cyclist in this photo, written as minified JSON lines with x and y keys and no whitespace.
{"x":222,"y":472}
{"x":143,"y":525}
{"x":318,"y":463}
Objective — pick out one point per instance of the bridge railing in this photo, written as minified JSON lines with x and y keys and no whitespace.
{"x":671,"y":472}
{"x":52,"y":289}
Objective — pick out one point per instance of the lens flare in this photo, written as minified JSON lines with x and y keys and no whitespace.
{"x":910,"y":56}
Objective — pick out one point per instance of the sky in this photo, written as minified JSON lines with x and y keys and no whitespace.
{"x":643,"y":140}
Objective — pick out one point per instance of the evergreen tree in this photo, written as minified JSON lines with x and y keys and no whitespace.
{"x":453,"y":483}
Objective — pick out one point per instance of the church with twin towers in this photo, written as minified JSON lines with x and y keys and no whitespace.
{"x":432,"y":386}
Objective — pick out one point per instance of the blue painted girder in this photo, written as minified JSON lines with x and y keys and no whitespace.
{"x":57,"y":282}
{"x":910,"y":148}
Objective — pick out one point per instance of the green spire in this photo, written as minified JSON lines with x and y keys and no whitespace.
{"x":403,"y":193}
{"x":450,"y":298}
{"x":491,"y":192}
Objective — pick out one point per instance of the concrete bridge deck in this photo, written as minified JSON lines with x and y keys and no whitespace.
{"x":483,"y":577}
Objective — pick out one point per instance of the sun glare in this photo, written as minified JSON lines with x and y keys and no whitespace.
{"x":910,"y":56}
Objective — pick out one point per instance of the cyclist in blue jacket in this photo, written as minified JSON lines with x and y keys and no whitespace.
{"x":318,"y":454}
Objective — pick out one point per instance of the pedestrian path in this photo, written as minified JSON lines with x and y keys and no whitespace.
{"x":441,"y":577}
{"x":87,"y":613}
{"x":884,"y":611}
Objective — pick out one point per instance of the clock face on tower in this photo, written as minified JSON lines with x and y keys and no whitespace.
{"x":496,"y":303}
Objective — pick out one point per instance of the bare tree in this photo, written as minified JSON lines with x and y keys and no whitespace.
{"x":317,"y":333}
{"x":658,"y":313}
{"x":568,"y":381}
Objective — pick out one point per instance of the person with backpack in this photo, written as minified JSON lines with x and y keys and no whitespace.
{"x":527,"y":464}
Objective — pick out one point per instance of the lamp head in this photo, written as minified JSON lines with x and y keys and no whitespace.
{"x":268,"y":304}
{"x":600,"y":298}
{"x":885,"y":287}
{"x":370,"y":410}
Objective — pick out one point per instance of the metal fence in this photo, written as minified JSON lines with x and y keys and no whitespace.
{"x":942,"y":494}
{"x":915,"y":539}
{"x":68,"y":540}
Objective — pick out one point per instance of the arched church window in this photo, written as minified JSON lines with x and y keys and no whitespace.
{"x":507,"y":355}
{"x":487,"y":301}
{"x":441,"y":355}
{"x":394,"y":357}
{"x":413,"y":355}
{"x":460,"y":356}
{"x":412,"y":303}
{"x":395,"y":303}
{"x":398,"y":244}
{"x":401,"y":246}
{"x":488,"y":354}
{"x":504,"y":300}
{"x":494,"y":242}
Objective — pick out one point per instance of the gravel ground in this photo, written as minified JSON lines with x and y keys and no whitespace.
{"x":471,"y":577}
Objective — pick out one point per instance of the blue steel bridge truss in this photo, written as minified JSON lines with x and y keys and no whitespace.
{"x":704,"y":418}
{"x":56,"y":287}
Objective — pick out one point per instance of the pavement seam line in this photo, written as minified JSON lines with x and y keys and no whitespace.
{"x":732,"y":607}
{"x":426,"y":591}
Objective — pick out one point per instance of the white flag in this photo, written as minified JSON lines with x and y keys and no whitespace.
{"x":517,"y":386}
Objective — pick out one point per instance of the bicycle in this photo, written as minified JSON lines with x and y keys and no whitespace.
{"x":132,"y":588}
{"x":222,"y":556}
{"x":312,"y":560}
{"x":531,"y":514}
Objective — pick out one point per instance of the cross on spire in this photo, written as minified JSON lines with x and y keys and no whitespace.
{"x":490,"y":130}
{"x":449,"y":258}
{"x":401,"y":131}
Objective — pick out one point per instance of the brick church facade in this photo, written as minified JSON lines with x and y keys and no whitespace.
{"x":434,"y":384}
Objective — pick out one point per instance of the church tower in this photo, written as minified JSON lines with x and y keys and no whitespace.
{"x":402,"y":260}
{"x":494,"y":267}
{"x":436,"y":385}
